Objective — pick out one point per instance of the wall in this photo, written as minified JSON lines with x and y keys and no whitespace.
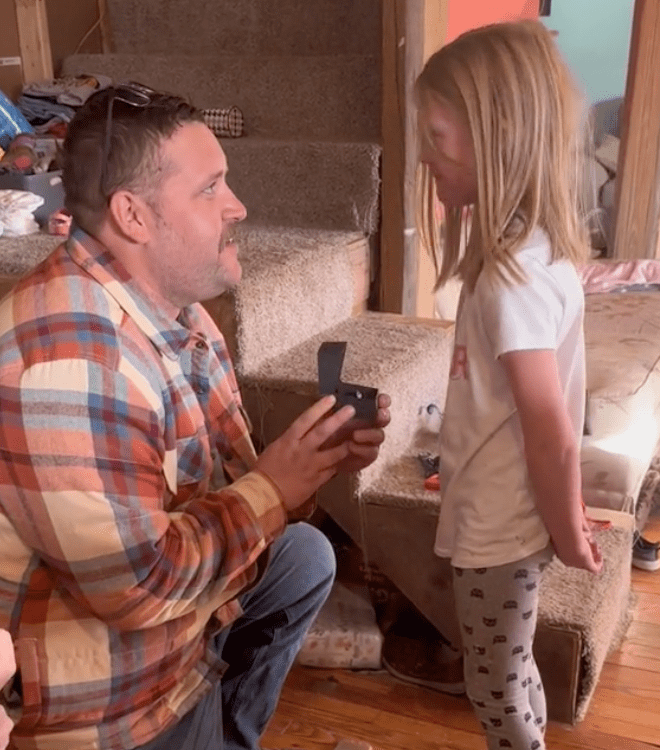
{"x":11,"y":76}
{"x":594,"y":36}
{"x":68,"y":22}
{"x":468,"y":14}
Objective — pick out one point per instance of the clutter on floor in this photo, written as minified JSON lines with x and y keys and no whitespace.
{"x":31,"y":133}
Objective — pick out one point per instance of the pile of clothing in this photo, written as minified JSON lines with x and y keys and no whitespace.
{"x":50,"y":105}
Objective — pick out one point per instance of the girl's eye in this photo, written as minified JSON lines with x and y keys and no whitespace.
{"x":211,"y":188}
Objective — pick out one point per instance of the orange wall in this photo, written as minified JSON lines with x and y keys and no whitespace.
{"x":468,"y":14}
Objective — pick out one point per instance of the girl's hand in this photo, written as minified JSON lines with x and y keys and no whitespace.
{"x":583,"y":553}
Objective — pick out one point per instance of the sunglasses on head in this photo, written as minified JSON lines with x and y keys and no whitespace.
{"x":133,"y":94}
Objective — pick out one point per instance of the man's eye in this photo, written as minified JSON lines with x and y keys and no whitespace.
{"x":211,"y":188}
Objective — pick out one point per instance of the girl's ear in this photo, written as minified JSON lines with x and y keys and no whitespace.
{"x":129,"y":214}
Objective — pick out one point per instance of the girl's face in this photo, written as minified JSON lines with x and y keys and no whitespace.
{"x":448,"y":151}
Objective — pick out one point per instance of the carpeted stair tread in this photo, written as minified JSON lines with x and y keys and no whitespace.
{"x":247,"y":26}
{"x":19,"y":254}
{"x":321,"y":97}
{"x":388,"y":352}
{"x":283,"y":297}
{"x":401,"y":485}
{"x":309,"y":184}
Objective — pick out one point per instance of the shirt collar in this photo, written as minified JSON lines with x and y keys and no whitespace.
{"x":170,"y":336}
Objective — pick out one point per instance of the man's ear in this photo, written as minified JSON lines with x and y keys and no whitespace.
{"x":130,"y":215}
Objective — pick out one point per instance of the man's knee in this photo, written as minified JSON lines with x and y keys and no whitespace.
{"x":312,"y":553}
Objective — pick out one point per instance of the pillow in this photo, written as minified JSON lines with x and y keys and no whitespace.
{"x":225,"y":123}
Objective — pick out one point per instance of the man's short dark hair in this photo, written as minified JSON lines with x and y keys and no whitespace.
{"x":133,"y":160}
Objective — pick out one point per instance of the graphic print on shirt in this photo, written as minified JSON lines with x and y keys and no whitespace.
{"x":459,"y":363}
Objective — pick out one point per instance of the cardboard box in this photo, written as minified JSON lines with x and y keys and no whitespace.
{"x":47,"y":184}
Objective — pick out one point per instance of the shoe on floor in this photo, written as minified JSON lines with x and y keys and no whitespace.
{"x":645,"y":555}
{"x":422,"y":661}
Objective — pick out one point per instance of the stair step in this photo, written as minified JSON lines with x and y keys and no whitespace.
{"x":322,"y":97}
{"x":18,"y":255}
{"x":247,"y":26}
{"x":296,"y":283}
{"x":404,"y":357}
{"x":401,"y":484}
{"x":307,"y":184}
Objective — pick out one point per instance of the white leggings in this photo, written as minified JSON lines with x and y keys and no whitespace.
{"x":497,"y":609}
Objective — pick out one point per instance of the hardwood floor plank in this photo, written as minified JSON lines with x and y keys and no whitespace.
{"x":647,"y":608}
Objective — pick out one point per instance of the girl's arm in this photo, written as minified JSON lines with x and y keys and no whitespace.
{"x":552,"y":454}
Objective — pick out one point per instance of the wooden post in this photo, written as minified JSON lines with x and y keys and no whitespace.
{"x":106,"y":29}
{"x":435,"y":28}
{"x":637,"y":201}
{"x":403,"y":47}
{"x":34,"y":40}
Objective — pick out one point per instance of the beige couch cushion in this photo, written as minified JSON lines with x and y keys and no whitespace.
{"x":622,"y":332}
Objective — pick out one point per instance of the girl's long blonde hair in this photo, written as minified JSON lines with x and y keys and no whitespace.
{"x":525,"y":115}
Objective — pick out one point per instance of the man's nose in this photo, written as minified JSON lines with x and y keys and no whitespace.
{"x":237,"y":211}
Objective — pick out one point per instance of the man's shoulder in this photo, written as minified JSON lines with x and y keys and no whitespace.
{"x":57,"y":311}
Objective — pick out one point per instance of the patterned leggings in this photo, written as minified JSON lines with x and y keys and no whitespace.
{"x":497,"y":610}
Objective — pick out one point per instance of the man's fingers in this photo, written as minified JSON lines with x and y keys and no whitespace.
{"x":332,"y":456}
{"x":329,"y":426}
{"x":384,"y":401}
{"x":304,"y":423}
{"x":368,"y":436}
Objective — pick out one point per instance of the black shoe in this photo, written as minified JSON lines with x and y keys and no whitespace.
{"x":431,"y":664}
{"x":646,"y":555}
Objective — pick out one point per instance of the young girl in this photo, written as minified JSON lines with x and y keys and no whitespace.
{"x":501,"y":127}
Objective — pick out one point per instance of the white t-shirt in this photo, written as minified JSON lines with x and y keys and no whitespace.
{"x":488,"y":514}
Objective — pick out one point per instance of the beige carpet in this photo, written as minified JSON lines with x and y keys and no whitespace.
{"x":302,"y":27}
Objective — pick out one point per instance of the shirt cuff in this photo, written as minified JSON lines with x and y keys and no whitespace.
{"x":265,"y":499}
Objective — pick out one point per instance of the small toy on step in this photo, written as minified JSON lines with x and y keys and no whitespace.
{"x":431,"y":468}
{"x":430,"y":463}
{"x":430,"y":417}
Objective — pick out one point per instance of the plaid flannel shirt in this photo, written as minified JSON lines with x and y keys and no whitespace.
{"x":119,"y":556}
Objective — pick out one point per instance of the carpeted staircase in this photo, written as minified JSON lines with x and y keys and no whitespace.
{"x":306,"y":74}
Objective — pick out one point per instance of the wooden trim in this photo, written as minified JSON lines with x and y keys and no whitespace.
{"x":435,"y":28}
{"x":34,"y":40}
{"x":403,"y":46}
{"x":106,"y":28}
{"x":637,"y":201}
{"x":436,"y":20}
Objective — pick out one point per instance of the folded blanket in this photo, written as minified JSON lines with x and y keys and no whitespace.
{"x":622,"y":275}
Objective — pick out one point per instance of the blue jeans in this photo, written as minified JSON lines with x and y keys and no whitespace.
{"x":259,"y":647}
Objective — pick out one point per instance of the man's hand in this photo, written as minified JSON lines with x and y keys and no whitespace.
{"x":298,"y":462}
{"x":364,"y":442}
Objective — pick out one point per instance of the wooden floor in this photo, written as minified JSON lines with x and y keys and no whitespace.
{"x":319,"y":707}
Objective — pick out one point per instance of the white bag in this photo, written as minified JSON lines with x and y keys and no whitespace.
{"x":16,"y":212}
